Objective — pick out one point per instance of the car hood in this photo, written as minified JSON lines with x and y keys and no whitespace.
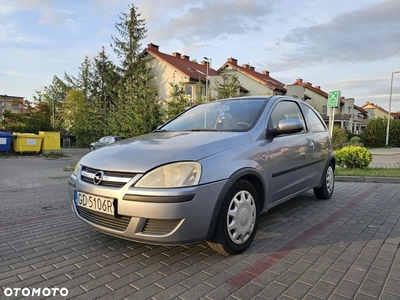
{"x":139,"y":154}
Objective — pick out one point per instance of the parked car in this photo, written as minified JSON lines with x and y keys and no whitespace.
{"x":105,"y":140}
{"x":207,"y":174}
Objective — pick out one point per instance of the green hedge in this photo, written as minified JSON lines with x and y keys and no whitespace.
{"x":353,"y":157}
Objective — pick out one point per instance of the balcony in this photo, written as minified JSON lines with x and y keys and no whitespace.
{"x":338,"y":117}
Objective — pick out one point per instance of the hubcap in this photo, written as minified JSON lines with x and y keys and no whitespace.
{"x":330,"y":180}
{"x":241,"y":217}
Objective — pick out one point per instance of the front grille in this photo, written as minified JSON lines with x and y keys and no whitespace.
{"x":116,"y":223}
{"x":114,"y":179}
{"x":160,"y":227}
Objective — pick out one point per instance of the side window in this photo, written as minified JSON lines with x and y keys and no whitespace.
{"x":315,"y":123}
{"x":285,"y":110}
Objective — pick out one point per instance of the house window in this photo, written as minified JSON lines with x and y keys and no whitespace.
{"x":324,"y":109}
{"x":188,"y":90}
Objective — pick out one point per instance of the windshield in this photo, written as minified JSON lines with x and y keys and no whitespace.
{"x":226,"y":115}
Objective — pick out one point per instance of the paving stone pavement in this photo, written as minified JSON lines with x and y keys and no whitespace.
{"x":343,"y":248}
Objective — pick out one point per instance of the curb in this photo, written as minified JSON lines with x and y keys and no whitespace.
{"x":394,"y":180}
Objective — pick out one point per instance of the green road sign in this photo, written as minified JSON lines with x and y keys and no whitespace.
{"x":333,"y":98}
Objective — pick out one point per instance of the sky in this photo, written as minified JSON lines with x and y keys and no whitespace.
{"x":351,"y":46}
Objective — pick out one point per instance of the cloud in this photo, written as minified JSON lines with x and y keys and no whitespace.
{"x":368,"y":34}
{"x":195,"y":22}
{"x":18,"y":74}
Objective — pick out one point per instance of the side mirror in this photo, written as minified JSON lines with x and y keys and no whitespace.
{"x":287,"y":126}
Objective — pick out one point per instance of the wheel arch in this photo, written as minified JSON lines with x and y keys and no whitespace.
{"x":332,"y":161}
{"x":248,"y":174}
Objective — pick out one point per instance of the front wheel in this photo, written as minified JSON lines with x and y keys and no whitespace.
{"x":238,"y":220}
{"x":325,"y":191}
{"x":92,"y":148}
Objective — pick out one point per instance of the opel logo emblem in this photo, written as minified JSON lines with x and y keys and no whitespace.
{"x":98,"y":177}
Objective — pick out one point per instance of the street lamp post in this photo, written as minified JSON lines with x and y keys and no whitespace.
{"x":208,"y":65}
{"x":53,"y":112}
{"x":390,"y":104}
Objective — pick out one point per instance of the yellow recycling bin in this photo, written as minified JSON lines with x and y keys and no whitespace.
{"x":27,"y":142}
{"x":51,"y":140}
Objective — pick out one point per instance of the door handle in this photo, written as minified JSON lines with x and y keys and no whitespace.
{"x":312,"y":146}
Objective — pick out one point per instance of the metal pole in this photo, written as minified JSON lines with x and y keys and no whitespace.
{"x":390,"y":105}
{"x":53,"y":113}
{"x":208,"y":62}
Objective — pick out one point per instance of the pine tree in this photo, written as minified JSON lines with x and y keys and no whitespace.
{"x":178,"y":101}
{"x":137,"y":110}
{"x":229,"y":87}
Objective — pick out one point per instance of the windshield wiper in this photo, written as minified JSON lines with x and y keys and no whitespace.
{"x":202,"y":130}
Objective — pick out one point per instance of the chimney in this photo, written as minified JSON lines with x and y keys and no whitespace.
{"x":299,"y":80}
{"x":176,"y":54}
{"x":204,"y":63}
{"x":233,"y":61}
{"x":309,"y":83}
{"x":246,"y":66}
{"x":252,"y":68}
{"x":265,"y":73}
{"x":185,"y":57}
{"x":153,"y":47}
{"x":318,"y":87}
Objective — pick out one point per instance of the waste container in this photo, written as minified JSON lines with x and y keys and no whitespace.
{"x":27,"y":142}
{"x":50,"y":141}
{"x":5,"y":141}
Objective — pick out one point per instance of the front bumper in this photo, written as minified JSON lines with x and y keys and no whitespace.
{"x":155,"y":216}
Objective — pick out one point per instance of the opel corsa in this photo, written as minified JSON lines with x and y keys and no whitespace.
{"x":207,"y":174}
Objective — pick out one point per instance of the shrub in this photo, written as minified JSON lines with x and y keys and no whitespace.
{"x":354,"y":141}
{"x":339,"y":137}
{"x":353,"y":157}
{"x":374,"y":134}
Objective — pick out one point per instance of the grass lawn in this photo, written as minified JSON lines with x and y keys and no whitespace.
{"x":368,"y":172}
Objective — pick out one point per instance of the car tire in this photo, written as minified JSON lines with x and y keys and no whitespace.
{"x":238,"y":220}
{"x":92,"y":148}
{"x":325,"y":191}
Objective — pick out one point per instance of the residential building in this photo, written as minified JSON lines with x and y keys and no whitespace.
{"x":253,"y":83}
{"x":179,"y":69}
{"x":314,"y":95}
{"x":375,"y":111}
{"x":347,"y":115}
{"x":13,"y":104}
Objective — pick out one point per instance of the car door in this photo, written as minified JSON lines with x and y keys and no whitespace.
{"x":103,"y":141}
{"x":290,"y":156}
{"x":319,"y":136}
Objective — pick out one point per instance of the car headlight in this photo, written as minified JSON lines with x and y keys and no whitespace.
{"x":171,"y":176}
{"x":76,"y":169}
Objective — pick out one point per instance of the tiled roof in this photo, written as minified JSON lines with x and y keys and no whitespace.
{"x":8,"y":96}
{"x":182,"y":63}
{"x":395,"y":114}
{"x":360,"y":109}
{"x":308,"y":85}
{"x":374,"y":106}
{"x":316,"y":89}
{"x":250,"y":71}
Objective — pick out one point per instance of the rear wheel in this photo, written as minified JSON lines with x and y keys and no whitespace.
{"x":238,"y":220}
{"x":325,"y":191}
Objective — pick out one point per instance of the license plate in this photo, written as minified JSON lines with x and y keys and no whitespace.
{"x":96,"y":203}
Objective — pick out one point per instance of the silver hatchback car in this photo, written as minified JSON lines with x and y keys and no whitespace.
{"x":207,"y":174}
